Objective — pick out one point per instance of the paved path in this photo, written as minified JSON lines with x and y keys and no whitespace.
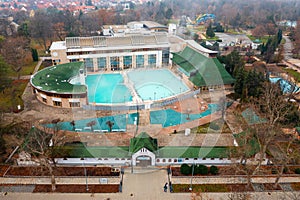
{"x":147,"y":184}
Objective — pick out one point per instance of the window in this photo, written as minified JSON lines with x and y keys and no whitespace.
{"x":74,"y":60}
{"x":165,"y":57}
{"x":55,"y":62}
{"x":115,"y":63}
{"x":152,"y":60}
{"x":74,"y":104}
{"x":140,"y":61}
{"x":101,"y":63}
{"x":88,"y":63}
{"x":44,"y":100}
{"x":127,"y":60}
{"x":57,"y":103}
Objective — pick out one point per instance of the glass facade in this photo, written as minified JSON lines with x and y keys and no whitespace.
{"x":140,"y":61}
{"x":152,"y":60}
{"x":127,"y":61}
{"x":101,"y":63}
{"x":165,"y":57}
{"x":115,"y":63}
{"x":88,"y":62}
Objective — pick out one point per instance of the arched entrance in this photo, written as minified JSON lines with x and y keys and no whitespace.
{"x":143,"y":161}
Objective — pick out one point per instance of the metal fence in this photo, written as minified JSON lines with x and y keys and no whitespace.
{"x":142,"y":106}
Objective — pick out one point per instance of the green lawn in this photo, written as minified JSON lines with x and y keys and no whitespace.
{"x":263,"y":39}
{"x":26,"y":70}
{"x":294,"y":74}
{"x":11,"y":97}
{"x":252,"y":143}
{"x":81,"y":151}
{"x":193,"y":152}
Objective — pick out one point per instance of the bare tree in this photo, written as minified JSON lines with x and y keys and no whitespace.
{"x":15,"y":50}
{"x":110,"y":125}
{"x":41,"y":28}
{"x":287,"y":153}
{"x":44,"y":147}
{"x":91,"y":124}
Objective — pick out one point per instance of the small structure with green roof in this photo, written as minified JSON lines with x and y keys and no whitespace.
{"x":204,"y":72}
{"x":143,"y":148}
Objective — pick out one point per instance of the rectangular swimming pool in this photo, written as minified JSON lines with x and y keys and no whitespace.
{"x":156,"y":84}
{"x":107,"y":88}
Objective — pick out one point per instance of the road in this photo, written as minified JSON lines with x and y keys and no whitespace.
{"x":288,"y":60}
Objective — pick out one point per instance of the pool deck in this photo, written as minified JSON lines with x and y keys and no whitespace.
{"x":36,"y":112}
{"x":165,"y":135}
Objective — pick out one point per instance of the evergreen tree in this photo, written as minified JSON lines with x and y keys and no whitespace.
{"x":35,"y":55}
{"x":169,"y":13}
{"x":219,"y":28}
{"x":233,"y":62}
{"x":209,"y":31}
{"x":239,"y":82}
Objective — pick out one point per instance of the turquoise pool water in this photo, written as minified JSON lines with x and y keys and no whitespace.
{"x":156,"y":84}
{"x":119,"y":122}
{"x":171,"y":117}
{"x":167,"y":118}
{"x":107,"y":88}
{"x":285,"y":85}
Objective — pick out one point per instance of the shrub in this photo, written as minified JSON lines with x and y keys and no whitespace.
{"x":274,"y":171}
{"x":213,"y":170}
{"x":297,"y":170}
{"x":285,"y":170}
{"x":214,"y":126}
{"x":202,"y":169}
{"x":185,"y":169}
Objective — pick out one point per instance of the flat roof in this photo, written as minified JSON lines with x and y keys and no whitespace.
{"x":58,"y":45}
{"x":152,"y":24}
{"x":194,"y":44}
{"x":55,"y":79}
{"x":157,"y":39}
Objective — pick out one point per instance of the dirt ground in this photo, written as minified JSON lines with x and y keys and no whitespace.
{"x":229,"y":170}
{"x":58,"y":171}
{"x":107,"y":188}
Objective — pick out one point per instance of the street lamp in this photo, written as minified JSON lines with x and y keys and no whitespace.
{"x":154,"y":96}
{"x":191,"y":186}
{"x":188,"y":114}
{"x":85,"y":174}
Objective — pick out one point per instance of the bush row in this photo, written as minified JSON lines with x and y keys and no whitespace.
{"x":198,"y":169}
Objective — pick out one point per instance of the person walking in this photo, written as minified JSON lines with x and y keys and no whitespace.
{"x":166,"y":187}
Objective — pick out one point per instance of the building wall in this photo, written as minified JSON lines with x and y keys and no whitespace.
{"x":50,"y":99}
{"x":59,"y":56}
{"x":121,"y":55}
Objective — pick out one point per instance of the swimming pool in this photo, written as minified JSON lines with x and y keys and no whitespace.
{"x":164,"y":117}
{"x":171,"y":117}
{"x":285,"y":85}
{"x":107,"y":88}
{"x":154,"y":84}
